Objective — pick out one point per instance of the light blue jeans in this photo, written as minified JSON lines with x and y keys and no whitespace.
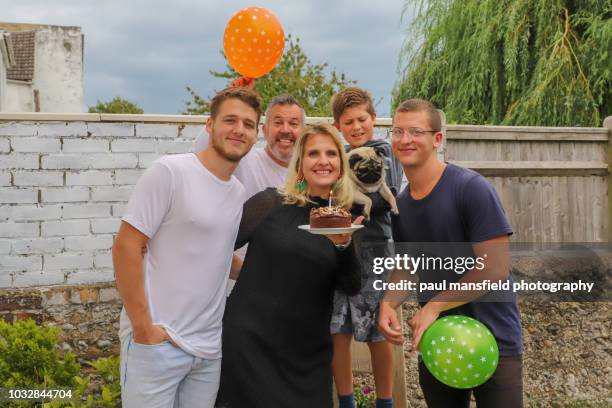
{"x":164,"y":376}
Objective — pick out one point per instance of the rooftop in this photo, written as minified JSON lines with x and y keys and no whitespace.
{"x":23,"y":50}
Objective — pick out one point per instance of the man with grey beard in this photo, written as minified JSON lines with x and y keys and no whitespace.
{"x":265,"y":167}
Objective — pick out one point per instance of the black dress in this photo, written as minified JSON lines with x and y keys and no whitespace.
{"x":277,"y":347}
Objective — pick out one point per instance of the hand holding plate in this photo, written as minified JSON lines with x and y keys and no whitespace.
{"x":344,"y":239}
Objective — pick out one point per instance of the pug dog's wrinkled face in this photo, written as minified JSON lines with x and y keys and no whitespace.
{"x":368,"y":174}
{"x":366,"y":164}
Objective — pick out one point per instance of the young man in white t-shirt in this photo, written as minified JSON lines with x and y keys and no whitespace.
{"x":186,"y":210}
{"x":267,"y":166}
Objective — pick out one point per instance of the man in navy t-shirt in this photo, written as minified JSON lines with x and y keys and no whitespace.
{"x":449,"y":204}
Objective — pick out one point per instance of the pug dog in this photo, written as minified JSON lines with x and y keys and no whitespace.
{"x":368,"y":174}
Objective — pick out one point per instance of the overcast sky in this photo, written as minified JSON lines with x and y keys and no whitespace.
{"x":147,"y":51}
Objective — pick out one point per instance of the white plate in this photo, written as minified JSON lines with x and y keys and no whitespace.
{"x":330,"y":231}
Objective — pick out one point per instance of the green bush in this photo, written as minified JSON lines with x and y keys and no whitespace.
{"x":29,"y":358}
{"x":101,"y":388}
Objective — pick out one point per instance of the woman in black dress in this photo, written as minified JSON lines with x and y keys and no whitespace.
{"x":277,"y":347}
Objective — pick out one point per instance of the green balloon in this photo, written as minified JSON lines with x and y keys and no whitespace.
{"x":459,"y":351}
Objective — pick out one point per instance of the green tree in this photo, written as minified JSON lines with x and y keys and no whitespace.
{"x":117,"y":105}
{"x":515,"y":62}
{"x":295,"y":74}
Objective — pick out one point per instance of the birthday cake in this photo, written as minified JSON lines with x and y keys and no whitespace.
{"x":330,"y":217}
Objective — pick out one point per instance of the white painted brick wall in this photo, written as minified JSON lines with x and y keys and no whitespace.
{"x":190,"y":132}
{"x":63,"y":189}
{"x":90,"y":243}
{"x":131,"y":145}
{"x":18,"y":129}
{"x":5,"y":212}
{"x":65,"y":161}
{"x":103,"y":260}
{"x":173,"y":146}
{"x":38,"y":178}
{"x":127,"y":176}
{"x":35,"y":144}
{"x":114,"y":161}
{"x":19,"y":229}
{"x":68,"y":261}
{"x":18,"y":263}
{"x":19,"y":161}
{"x":5,"y":145}
{"x":5,"y":246}
{"x":110,"y":129}
{"x":105,"y":226}
{"x":64,"y":194}
{"x":156,"y":131}
{"x":64,"y":228}
{"x":37,"y":246}
{"x":18,"y":195}
{"x":86,"y":211}
{"x":85,"y":146}
{"x":36,"y":212}
{"x":118,"y":210}
{"x":65,"y":129}
{"x":114,"y":193}
{"x":5,"y":178}
{"x":39,"y":278}
{"x":89,"y":178}
{"x":6,"y":279}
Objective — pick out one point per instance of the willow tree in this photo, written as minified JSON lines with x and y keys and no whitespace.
{"x":517,"y":62}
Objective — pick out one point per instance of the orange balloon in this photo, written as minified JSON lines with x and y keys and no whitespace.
{"x":253,"y":41}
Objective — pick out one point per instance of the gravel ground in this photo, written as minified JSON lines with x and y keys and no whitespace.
{"x":567,"y":360}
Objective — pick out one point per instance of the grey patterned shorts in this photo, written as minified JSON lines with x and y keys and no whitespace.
{"x":359,"y":314}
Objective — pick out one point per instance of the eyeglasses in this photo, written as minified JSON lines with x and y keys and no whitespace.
{"x":397,"y":133}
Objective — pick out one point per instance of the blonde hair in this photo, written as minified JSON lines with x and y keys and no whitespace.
{"x":343,"y":189}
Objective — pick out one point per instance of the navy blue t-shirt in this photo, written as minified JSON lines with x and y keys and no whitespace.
{"x":463,"y":207}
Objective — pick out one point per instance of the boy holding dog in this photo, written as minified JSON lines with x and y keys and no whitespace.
{"x":378,"y":176}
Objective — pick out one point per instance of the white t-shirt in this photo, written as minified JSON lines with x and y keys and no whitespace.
{"x":256,"y":171}
{"x":191,"y":218}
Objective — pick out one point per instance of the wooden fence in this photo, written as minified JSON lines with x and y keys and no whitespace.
{"x":554,"y":182}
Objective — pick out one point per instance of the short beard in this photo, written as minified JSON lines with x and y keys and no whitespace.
{"x":234,"y":158}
